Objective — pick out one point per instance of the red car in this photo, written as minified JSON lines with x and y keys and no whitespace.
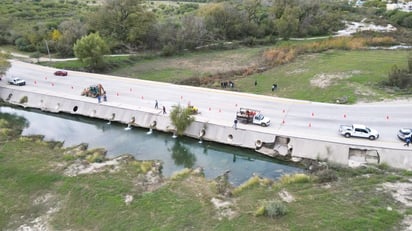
{"x":60,"y":73}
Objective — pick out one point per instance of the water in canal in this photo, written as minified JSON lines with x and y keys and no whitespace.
{"x":175,"y":153}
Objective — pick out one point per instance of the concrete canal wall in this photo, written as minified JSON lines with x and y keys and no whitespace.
{"x":286,"y":146}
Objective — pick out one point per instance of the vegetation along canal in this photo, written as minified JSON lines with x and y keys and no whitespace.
{"x":175,"y":153}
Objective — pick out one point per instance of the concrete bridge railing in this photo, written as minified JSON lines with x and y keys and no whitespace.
{"x":272,"y":144}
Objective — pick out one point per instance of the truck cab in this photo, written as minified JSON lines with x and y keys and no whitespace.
{"x":261,"y":120}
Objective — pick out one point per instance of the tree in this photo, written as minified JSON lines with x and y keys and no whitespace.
{"x":194,"y":32}
{"x":223,"y":20}
{"x":4,"y":64}
{"x":288,"y":24}
{"x":70,"y":32}
{"x":181,"y":118}
{"x":126,"y":22}
{"x":90,"y":50}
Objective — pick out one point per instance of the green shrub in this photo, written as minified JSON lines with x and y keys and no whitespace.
{"x":275,"y":208}
{"x":295,"y":178}
{"x":24,"y":99}
{"x":326,"y":175}
{"x":181,"y":174}
{"x":248,"y":184}
{"x":260,"y":211}
{"x":146,"y":166}
{"x":96,"y":157}
{"x":69,"y":157}
{"x":181,"y":118}
{"x":169,"y":50}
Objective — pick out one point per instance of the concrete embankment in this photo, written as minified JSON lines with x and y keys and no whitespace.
{"x":285,"y":146}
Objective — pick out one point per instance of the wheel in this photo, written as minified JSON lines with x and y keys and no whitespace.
{"x":347,"y":135}
{"x":371,"y":137}
{"x":263,"y":125}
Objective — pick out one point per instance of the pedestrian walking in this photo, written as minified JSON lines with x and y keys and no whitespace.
{"x":104,"y":97}
{"x":156,"y":105}
{"x":164,"y":110}
{"x":98,"y":98}
{"x":235,"y":124}
{"x":408,"y":140}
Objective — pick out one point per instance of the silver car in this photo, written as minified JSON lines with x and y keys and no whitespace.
{"x":16,"y":81}
{"x":404,"y":132}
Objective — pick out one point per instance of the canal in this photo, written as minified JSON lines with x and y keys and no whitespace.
{"x":175,"y":153}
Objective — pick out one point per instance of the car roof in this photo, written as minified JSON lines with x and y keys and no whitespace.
{"x":405,"y":130}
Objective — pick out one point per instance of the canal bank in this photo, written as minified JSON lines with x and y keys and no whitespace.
{"x":279,"y":145}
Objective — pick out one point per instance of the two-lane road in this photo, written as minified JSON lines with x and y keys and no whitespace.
{"x":292,"y":117}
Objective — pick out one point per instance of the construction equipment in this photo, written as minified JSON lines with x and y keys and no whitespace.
{"x":193,"y":110}
{"x":94,"y":91}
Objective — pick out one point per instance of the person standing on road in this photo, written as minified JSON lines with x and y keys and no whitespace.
{"x":164,"y":110}
{"x":235,"y":124}
{"x":104,"y":96}
{"x":156,"y":104}
{"x":408,"y":140}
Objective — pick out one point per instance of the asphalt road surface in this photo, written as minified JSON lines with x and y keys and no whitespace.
{"x":288,"y":117}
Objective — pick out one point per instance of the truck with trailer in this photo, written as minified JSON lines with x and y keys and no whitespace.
{"x":252,"y":116}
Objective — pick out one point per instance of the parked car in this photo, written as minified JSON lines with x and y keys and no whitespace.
{"x":60,"y":73}
{"x":16,"y":81}
{"x":358,"y":130}
{"x":403,"y":133}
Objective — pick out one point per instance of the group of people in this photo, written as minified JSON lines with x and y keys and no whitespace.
{"x":227,"y":84}
{"x":157,"y":107}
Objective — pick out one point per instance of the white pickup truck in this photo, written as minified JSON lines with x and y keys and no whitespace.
{"x":358,"y":130}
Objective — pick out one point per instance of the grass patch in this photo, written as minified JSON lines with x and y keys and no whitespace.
{"x":324,"y":77}
{"x":30,"y":169}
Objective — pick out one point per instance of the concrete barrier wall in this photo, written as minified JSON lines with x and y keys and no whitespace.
{"x":271,"y":144}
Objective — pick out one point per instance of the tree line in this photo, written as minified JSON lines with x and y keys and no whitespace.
{"x":132,"y":25}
